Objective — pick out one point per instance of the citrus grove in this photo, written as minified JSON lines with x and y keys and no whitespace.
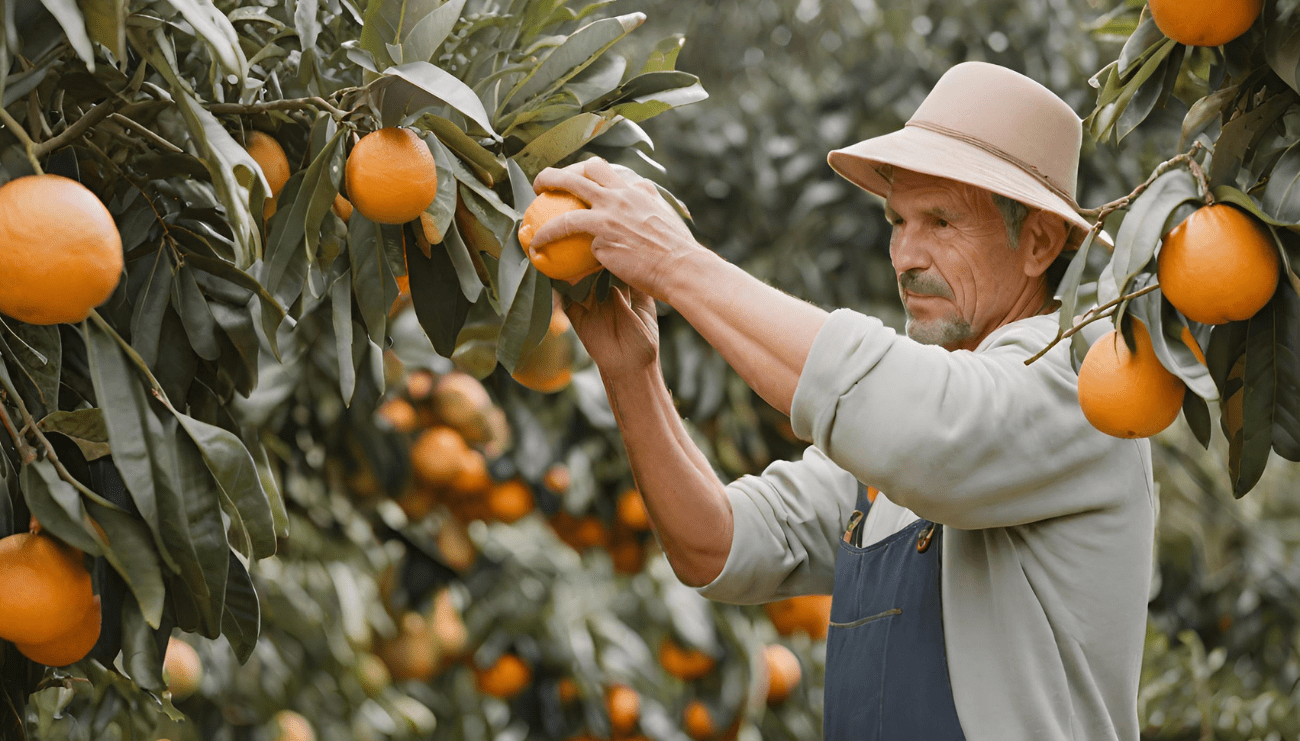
{"x":297,"y":443}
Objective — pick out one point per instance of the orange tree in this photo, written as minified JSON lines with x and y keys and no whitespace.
{"x":186,"y":430}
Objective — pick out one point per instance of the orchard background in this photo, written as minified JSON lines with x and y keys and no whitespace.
{"x":247,"y":439}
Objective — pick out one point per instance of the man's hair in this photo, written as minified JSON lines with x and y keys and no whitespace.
{"x":1014,"y":214}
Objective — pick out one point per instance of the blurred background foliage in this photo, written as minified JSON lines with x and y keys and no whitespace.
{"x":388,"y":610}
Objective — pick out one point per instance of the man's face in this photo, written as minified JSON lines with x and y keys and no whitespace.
{"x":957,"y":275}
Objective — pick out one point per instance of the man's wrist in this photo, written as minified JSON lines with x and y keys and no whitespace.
{"x":684,"y":273}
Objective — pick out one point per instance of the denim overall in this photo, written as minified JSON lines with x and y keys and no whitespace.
{"x":886,"y":667}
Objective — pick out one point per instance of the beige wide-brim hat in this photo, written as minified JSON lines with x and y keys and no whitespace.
{"x":992,"y":128}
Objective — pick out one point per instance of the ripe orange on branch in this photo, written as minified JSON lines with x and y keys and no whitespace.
{"x":70,"y":647}
{"x":548,"y":367}
{"x":60,"y":249}
{"x":783,"y":672}
{"x":45,"y":588}
{"x":182,"y":669}
{"x":391,"y":176}
{"x":1128,"y":393}
{"x":505,"y":678}
{"x":1204,"y":22}
{"x":568,"y":259}
{"x":1219,"y":265}
{"x":684,"y":663}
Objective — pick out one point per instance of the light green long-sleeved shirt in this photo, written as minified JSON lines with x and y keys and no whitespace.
{"x":1048,"y":523}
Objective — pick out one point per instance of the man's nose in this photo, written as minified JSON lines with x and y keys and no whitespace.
{"x":907,"y":252}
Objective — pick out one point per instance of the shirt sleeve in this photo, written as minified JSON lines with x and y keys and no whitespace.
{"x":788,"y":523}
{"x":967,"y":439}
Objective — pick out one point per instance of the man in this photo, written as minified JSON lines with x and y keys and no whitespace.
{"x":996,"y":588}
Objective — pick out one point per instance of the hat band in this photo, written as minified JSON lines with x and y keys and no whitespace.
{"x":999,"y":153}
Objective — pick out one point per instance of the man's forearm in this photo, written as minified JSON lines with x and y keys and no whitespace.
{"x":685,"y":499}
{"x":763,"y":333}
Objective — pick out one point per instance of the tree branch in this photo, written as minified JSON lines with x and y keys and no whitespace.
{"x":1100,"y":213}
{"x":77,"y":128}
{"x":23,"y":139}
{"x":291,"y":104}
{"x":26,"y":453}
{"x":140,"y":129}
{"x":1092,"y":315}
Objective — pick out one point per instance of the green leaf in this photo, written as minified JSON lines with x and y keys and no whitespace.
{"x":1197,"y":413}
{"x":388,"y":22}
{"x":441,"y":87}
{"x":1152,"y":65}
{"x":285,"y":268}
{"x":106,"y":24}
{"x":562,"y":140}
{"x":651,"y":105}
{"x":435,"y":293}
{"x":140,"y":655}
{"x":307,"y":22}
{"x":485,"y":163}
{"x":123,"y":403}
{"x":241,"y":623}
{"x":129,"y":549}
{"x":598,"y":79}
{"x":1144,"y":225}
{"x":192,"y":306}
{"x":1281,"y":198}
{"x":1242,"y":359}
{"x":1140,"y":45}
{"x":571,"y":57}
{"x":320,"y":183}
{"x":341,"y":312}
{"x":431,"y":30}
{"x":236,"y":476}
{"x":57,"y":506}
{"x":271,"y":311}
{"x":1286,"y":418}
{"x":1203,"y":112}
{"x":217,"y":32}
{"x":240,"y":346}
{"x":527,"y":320}
{"x":664,"y":55}
{"x":85,"y":427}
{"x":279,"y":516}
{"x":1165,"y":325}
{"x":1147,"y":94}
{"x":69,"y":17}
{"x":459,"y":254}
{"x":1240,"y":134}
{"x":373,"y":283}
{"x":1282,"y":51}
{"x":643,"y":86}
{"x":443,"y":207}
{"x":151,"y":304}
{"x":37,"y":351}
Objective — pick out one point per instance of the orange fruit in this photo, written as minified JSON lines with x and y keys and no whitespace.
{"x":628,"y":555}
{"x":182,"y":669}
{"x":46,"y":588}
{"x":60,"y":249}
{"x":269,"y":155}
{"x":506,"y":678}
{"x":624,"y":705}
{"x":391,"y":176}
{"x":291,"y":726}
{"x":419,"y":385}
{"x":463,"y":404}
{"x":1205,"y":22}
{"x":548,"y":367}
{"x":810,"y":613}
{"x":698,"y":721}
{"x":439,"y":455}
{"x":568,"y":259}
{"x":557,"y":478}
{"x":510,"y":500}
{"x":454,"y":546}
{"x":473,"y":479}
{"x":1219,"y":265}
{"x":70,"y":647}
{"x":684,"y":663}
{"x":568,"y":689}
{"x":399,"y":414}
{"x":1128,"y":394}
{"x":448,"y":626}
{"x":632,"y":511}
{"x":342,"y":208}
{"x":783,"y":672}
{"x":417,"y":502}
{"x":413,"y":654}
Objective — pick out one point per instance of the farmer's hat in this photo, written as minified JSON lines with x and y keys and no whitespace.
{"x":989,"y":127}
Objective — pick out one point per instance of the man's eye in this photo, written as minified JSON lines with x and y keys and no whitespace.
{"x":941,"y":223}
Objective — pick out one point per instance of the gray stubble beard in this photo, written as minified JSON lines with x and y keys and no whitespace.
{"x":943,"y":332}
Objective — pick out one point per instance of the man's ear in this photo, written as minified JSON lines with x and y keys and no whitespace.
{"x":1042,"y":238}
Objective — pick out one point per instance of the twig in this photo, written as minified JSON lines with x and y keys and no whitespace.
{"x":142,"y":130}
{"x":25,"y":452}
{"x":1101,"y":212}
{"x":29,"y":424}
{"x":1092,"y":315}
{"x":77,"y":128}
{"x":1198,"y":172}
{"x":290,"y":104}
{"x":23,"y":138}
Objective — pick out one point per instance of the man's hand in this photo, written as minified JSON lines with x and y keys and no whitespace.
{"x":621,"y":333}
{"x":636,"y":234}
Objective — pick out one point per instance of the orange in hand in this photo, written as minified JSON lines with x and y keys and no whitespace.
{"x":569,"y":259}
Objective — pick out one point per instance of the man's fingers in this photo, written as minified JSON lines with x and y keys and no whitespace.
{"x":567,"y":224}
{"x":567,"y":180}
{"x":601,"y":172}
